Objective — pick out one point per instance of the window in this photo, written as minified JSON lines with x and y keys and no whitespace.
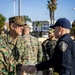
{"x":35,"y":28}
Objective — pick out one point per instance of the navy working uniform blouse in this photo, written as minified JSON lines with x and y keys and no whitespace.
{"x":63,"y":59}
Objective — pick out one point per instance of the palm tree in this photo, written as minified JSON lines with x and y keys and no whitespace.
{"x":52,"y":6}
{"x":2,"y":22}
{"x":38,"y":24}
{"x":26,"y":18}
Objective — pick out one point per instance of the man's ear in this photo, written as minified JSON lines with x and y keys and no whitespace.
{"x":12,"y":26}
{"x":60,"y":28}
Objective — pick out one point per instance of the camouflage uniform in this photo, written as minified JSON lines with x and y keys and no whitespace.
{"x":48,"y":49}
{"x":11,"y":51}
{"x":33,"y":49}
{"x":7,"y":59}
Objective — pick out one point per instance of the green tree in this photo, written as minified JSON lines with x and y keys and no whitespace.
{"x":2,"y":22}
{"x":73,"y":29}
{"x":52,"y":6}
{"x":38,"y":24}
{"x":73,"y":24}
{"x":26,"y":18}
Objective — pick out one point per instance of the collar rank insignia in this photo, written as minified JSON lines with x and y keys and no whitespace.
{"x":63,"y":46}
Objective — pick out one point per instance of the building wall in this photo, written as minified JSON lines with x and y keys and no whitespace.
{"x":44,"y":28}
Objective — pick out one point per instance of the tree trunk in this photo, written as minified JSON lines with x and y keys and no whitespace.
{"x":53,"y":17}
{"x":50,"y":17}
{"x":54,"y":1}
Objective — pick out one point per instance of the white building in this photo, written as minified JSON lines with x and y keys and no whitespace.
{"x":43,"y":28}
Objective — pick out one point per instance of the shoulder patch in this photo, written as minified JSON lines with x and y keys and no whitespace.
{"x":63,"y":46}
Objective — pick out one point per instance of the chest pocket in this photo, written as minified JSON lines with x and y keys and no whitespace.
{"x":14,"y":50}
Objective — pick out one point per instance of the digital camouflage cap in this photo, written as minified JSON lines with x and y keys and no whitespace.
{"x":17,"y":20}
{"x":27,"y":25}
{"x":51,"y":30}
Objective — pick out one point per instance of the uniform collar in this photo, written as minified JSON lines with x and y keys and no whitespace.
{"x":67,"y":34}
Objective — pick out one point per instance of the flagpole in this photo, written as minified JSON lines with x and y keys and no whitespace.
{"x":14,"y":7}
{"x":19,"y":7}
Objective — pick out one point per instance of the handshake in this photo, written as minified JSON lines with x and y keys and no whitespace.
{"x":31,"y":69}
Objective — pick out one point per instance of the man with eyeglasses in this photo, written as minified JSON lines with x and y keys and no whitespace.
{"x":11,"y":48}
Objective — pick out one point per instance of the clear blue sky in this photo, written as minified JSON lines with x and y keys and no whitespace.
{"x":37,"y":9}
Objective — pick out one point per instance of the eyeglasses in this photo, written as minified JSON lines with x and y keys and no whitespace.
{"x":18,"y":25}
